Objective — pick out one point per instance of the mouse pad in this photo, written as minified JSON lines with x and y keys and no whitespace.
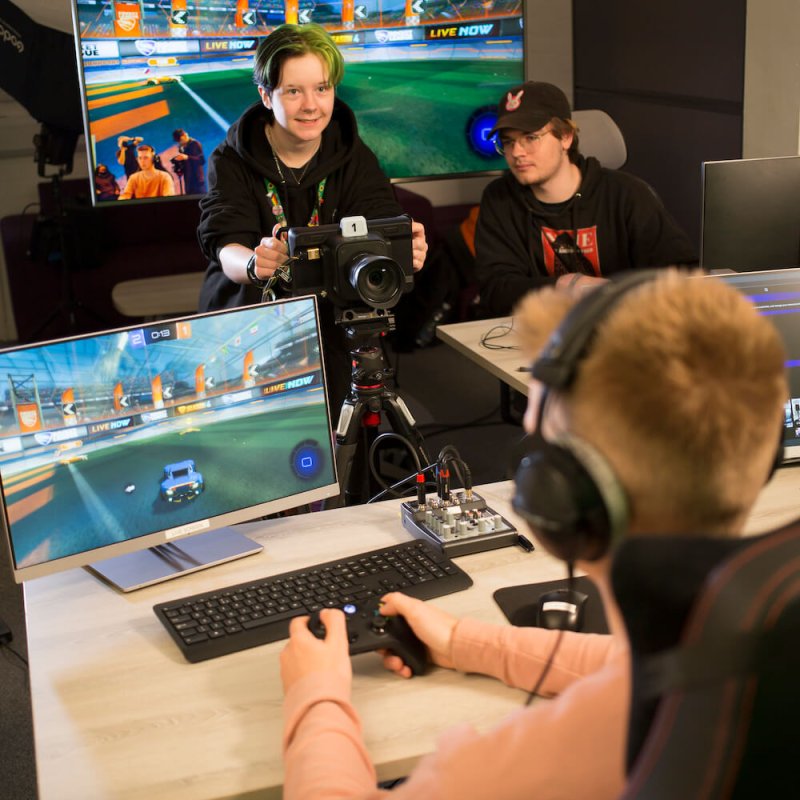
{"x":519,"y":603}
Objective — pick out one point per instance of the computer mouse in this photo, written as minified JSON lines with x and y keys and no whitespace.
{"x":562,"y":609}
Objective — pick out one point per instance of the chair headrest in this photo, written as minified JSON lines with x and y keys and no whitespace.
{"x":600,"y":136}
{"x":713,"y":626}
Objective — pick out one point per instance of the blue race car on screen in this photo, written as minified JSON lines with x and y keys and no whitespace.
{"x":181,"y":481}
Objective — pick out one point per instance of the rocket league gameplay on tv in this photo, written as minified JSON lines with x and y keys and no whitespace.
{"x":423,"y":76}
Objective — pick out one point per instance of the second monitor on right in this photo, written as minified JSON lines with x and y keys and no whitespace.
{"x":751,"y":214}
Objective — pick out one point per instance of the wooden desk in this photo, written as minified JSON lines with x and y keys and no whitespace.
{"x":163,"y":296}
{"x":118,"y":713}
{"x":504,"y":364}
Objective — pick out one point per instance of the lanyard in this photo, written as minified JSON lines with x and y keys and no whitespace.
{"x":277,"y":208}
{"x":268,"y":293}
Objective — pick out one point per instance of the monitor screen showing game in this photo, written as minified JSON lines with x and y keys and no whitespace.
{"x":776,"y":295}
{"x":750,"y":214}
{"x":423,"y":77}
{"x":118,"y":441}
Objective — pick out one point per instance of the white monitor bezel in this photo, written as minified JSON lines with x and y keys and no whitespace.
{"x":170,"y":535}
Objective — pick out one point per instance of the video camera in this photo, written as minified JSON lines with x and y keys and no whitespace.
{"x":354,"y":264}
{"x":177,"y":165}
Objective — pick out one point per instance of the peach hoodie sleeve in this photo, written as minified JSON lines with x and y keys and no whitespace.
{"x":572,"y":746}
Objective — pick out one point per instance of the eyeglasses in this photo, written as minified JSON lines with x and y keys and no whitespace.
{"x":528,"y":142}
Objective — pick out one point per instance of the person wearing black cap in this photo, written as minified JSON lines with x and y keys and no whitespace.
{"x":557,"y":217}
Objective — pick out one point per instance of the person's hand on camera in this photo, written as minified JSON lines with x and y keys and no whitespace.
{"x":432,"y":625}
{"x":305,"y":654}
{"x":419,"y":245}
{"x":271,"y":253}
{"x":180,"y":157}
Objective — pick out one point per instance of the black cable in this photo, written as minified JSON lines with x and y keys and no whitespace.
{"x":373,"y":447}
{"x":538,"y":685}
{"x":497,"y":332}
{"x":448,"y":454}
{"x":394,"y":486}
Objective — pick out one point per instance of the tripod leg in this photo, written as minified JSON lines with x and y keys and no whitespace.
{"x":348,"y":435}
{"x":403,"y":423}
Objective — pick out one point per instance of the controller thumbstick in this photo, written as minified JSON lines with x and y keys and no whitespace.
{"x":378,"y":623}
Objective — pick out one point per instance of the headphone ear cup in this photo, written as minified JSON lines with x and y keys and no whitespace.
{"x":569,"y":495}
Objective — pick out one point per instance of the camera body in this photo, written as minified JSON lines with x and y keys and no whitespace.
{"x":177,"y":165}
{"x":354,"y":264}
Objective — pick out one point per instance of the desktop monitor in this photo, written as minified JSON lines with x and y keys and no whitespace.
{"x":751,"y":214}
{"x":776,"y":295}
{"x":115,"y":446}
{"x":422,"y":76}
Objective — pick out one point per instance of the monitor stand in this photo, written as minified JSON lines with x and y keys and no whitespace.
{"x":173,"y":559}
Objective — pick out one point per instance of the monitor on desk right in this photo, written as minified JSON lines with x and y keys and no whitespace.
{"x":751,"y":214}
{"x":776,"y":295}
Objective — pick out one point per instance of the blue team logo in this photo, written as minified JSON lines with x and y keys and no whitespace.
{"x":478,"y":126}
{"x":306,"y":459}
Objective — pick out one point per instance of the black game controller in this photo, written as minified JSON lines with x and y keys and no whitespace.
{"x":368,"y":629}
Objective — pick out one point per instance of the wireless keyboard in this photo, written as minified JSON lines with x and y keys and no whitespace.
{"x":225,"y":621}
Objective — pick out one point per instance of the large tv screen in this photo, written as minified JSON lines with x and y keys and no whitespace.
{"x":423,"y":76}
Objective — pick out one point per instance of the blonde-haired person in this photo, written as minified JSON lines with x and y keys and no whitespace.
{"x":678,"y":393}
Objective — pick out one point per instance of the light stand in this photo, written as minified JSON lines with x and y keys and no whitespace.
{"x":55,"y":147}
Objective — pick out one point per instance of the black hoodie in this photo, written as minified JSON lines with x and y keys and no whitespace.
{"x":614,"y":222}
{"x":236,"y":210}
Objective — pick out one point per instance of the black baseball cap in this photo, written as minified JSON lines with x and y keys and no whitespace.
{"x":530,"y":106}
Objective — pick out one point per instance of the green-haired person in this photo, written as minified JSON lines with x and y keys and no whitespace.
{"x":294,"y":158}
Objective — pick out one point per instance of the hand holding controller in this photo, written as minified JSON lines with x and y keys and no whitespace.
{"x":368,"y":630}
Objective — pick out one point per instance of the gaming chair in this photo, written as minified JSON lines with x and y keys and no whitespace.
{"x":714,"y":627}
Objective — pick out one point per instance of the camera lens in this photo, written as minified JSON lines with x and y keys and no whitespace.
{"x":378,"y":280}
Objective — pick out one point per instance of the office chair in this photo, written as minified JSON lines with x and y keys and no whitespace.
{"x":714,"y":627}
{"x":599,"y":136}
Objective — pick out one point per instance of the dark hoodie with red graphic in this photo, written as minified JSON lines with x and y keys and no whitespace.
{"x":614,"y":222}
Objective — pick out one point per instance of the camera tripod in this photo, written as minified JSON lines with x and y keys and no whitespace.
{"x":360,"y":415}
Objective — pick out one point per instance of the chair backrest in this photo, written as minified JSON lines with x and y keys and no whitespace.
{"x":599,"y":136}
{"x":715,"y":713}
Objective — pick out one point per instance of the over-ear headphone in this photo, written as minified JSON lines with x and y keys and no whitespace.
{"x":565,"y":488}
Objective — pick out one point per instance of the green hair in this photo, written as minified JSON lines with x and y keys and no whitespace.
{"x":288,"y":41}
